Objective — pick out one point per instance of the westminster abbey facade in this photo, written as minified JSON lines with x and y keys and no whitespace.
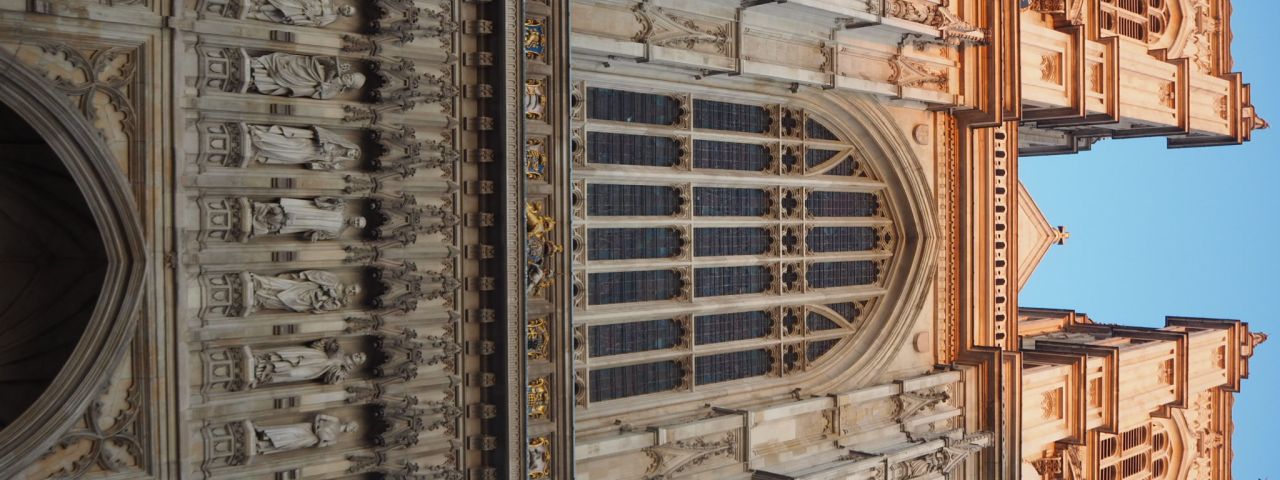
{"x":587,"y":239}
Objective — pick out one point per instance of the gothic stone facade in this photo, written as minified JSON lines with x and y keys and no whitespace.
{"x":594,"y":239}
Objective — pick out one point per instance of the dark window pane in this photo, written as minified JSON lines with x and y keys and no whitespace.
{"x":848,"y":310}
{"x":841,"y":204}
{"x":818,"y":131}
{"x":817,"y":323}
{"x":717,"y":281}
{"x":730,"y":156}
{"x":607,"y":200}
{"x":621,"y":338}
{"x":628,"y":287}
{"x":629,"y":243}
{"x":844,"y":168}
{"x":710,"y":242}
{"x":633,"y":107}
{"x":730,"y":202}
{"x":729,"y":327}
{"x":632,"y":380}
{"x":842,"y":274}
{"x":731,"y":366}
{"x":734,"y":117}
{"x":814,"y":157}
{"x":623,"y":149}
{"x":841,"y":239}
{"x":819,"y":348}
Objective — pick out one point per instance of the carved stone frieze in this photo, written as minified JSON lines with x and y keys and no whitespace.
{"x":913,"y":73}
{"x":667,"y":461}
{"x":668,"y":28}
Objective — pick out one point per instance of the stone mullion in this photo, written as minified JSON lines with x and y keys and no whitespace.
{"x":652,"y":222}
{"x":667,"y":309}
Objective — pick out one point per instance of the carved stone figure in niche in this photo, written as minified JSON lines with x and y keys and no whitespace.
{"x":290,"y":75}
{"x":311,"y":291}
{"x":314,"y":147}
{"x":321,"y":359}
{"x":320,"y":219}
{"x":322,"y":431}
{"x":303,"y":13}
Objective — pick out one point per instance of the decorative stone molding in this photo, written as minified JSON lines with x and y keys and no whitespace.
{"x":667,"y":461}
{"x":667,"y":28}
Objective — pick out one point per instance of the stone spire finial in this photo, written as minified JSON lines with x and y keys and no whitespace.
{"x":1062,"y":235}
{"x":1257,"y":338}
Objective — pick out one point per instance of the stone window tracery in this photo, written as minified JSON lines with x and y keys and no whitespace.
{"x":1135,"y":453}
{"x":725,"y":207}
{"x":1142,"y":20}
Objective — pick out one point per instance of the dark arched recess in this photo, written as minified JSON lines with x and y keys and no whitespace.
{"x":110,"y":327}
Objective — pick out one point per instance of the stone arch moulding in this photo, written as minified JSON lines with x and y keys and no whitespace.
{"x":874,"y":132}
{"x":109,"y":330}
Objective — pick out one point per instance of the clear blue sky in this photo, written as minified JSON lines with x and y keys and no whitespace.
{"x":1191,"y":232}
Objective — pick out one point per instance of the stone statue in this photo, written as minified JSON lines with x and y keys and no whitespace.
{"x":322,"y":359}
{"x":322,"y":431}
{"x":320,"y":219}
{"x":303,"y":13}
{"x":313,"y":291}
{"x":314,"y":147}
{"x":290,"y":75}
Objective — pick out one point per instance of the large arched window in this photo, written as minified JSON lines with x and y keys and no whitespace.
{"x":717,"y":240}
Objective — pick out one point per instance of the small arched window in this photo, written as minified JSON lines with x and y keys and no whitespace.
{"x":1143,"y":20}
{"x":709,"y":211}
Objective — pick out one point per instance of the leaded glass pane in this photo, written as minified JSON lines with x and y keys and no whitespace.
{"x":841,"y":204}
{"x":816,"y":130}
{"x":622,"y":338}
{"x":816,"y":323}
{"x":844,"y":168}
{"x":814,"y":157}
{"x":632,"y":107}
{"x":820,"y":347}
{"x":730,"y":156}
{"x":625,"y":149}
{"x":735,"y":117}
{"x":848,"y":310}
{"x":718,"y":281}
{"x":730,"y":202}
{"x":607,"y":200}
{"x":730,"y":327}
{"x":631,"y":243}
{"x":841,"y":239}
{"x":711,"y":242}
{"x":731,"y":366}
{"x":841,"y":274}
{"x":607,"y":288}
{"x":633,"y":380}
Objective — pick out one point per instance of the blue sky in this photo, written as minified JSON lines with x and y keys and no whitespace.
{"x":1191,"y":232}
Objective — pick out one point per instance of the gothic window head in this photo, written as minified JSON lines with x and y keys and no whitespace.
{"x":723,"y":240}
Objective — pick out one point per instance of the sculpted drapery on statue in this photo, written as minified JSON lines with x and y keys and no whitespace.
{"x":320,"y":219}
{"x":322,"y":431}
{"x":314,"y":147}
{"x":322,"y":359}
{"x":290,"y":75}
{"x":313,"y":291}
{"x":303,"y":13}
